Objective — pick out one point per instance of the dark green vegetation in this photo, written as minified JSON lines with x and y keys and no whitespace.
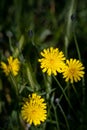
{"x":27,"y":27}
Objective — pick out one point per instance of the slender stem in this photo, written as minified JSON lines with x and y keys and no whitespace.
{"x":64,"y":116}
{"x":10,"y":43}
{"x":15,"y":87}
{"x":12,"y":79}
{"x":55,"y":113}
{"x":78,"y":51}
{"x":51,"y":121}
{"x":48,"y":82}
{"x":76,"y":93}
{"x":63,"y":91}
{"x":77,"y":47}
{"x":75,"y":90}
{"x":18,"y":118}
{"x":31,"y":77}
{"x":69,"y":25}
{"x":20,"y":46}
{"x":79,"y":56}
{"x":83,"y":90}
{"x":57,"y":121}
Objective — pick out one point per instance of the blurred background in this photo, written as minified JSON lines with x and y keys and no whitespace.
{"x":44,"y":23}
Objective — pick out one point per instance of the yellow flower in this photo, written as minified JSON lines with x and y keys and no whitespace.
{"x":34,"y":110}
{"x":73,"y":70}
{"x":12,"y":66}
{"x":52,"y":61}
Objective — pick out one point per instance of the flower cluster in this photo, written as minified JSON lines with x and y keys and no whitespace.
{"x":12,"y":66}
{"x":34,"y":110}
{"x":53,"y":61}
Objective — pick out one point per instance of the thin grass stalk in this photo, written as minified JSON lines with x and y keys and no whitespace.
{"x":31,"y":78}
{"x":48,"y":83}
{"x":67,"y":124}
{"x":75,"y":90}
{"x":77,"y":47}
{"x":63,"y":92}
{"x":56,"y":117}
{"x":69,"y":25}
{"x":10,"y":44}
{"x":60,"y":98}
{"x":18,"y":49}
{"x":72,"y":8}
{"x":15,"y":87}
{"x":79,"y":56}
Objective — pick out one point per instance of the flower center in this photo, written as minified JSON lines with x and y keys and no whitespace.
{"x":72,"y":71}
{"x":51,"y":61}
{"x":33,"y":111}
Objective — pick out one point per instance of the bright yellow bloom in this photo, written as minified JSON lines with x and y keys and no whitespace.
{"x":34,"y":110}
{"x":52,"y":61}
{"x":12,"y":66}
{"x":73,"y":70}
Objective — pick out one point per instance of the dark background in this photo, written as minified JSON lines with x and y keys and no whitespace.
{"x":45,"y":23}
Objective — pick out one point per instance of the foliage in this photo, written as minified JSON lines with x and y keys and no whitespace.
{"x":26,"y":28}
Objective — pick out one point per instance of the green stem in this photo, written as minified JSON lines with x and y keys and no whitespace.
{"x":20,"y":46}
{"x":48,"y":82}
{"x":31,"y":78}
{"x":79,"y":56}
{"x":51,"y":121}
{"x":69,"y":25}
{"x":76,"y":93}
{"x":12,"y":79}
{"x":77,"y":47}
{"x":15,"y":87}
{"x":64,"y":116}
{"x":75,"y":90}
{"x":56,"y":117}
{"x":10,"y":43}
{"x":29,"y":75}
{"x":78,"y":51}
{"x":63,"y":92}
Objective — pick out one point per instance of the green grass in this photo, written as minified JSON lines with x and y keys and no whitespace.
{"x":26,"y":28}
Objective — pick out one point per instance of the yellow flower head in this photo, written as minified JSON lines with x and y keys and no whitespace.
{"x":52,"y":60}
{"x":12,"y":66}
{"x":73,"y":70}
{"x":34,"y":110}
